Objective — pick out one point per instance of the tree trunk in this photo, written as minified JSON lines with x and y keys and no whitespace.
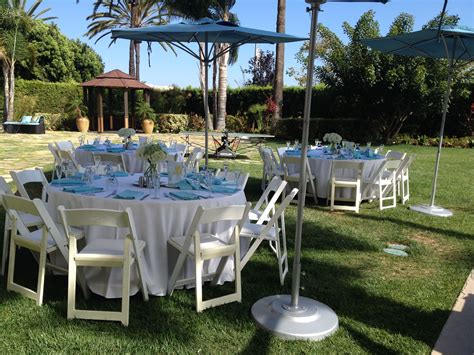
{"x":214,"y":92}
{"x":131,"y":60}
{"x":202,"y":79}
{"x":279,"y":65}
{"x":137,"y":60}
{"x":221,"y":106}
{"x":11,"y":91}
{"x":6,"y":91}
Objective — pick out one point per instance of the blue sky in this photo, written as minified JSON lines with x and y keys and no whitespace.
{"x":167,"y":69}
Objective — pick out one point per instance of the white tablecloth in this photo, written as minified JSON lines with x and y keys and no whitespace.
{"x":133,"y":164}
{"x":156,"y":221}
{"x":320,"y":165}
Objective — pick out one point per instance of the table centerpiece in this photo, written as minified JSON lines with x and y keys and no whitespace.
{"x":333,"y":139}
{"x":153,"y":153}
{"x":126,"y":134}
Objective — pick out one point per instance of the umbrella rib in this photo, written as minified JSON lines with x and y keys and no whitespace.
{"x":177,"y":44}
{"x":466,"y":50}
{"x":235,"y":45}
{"x":412,"y":46}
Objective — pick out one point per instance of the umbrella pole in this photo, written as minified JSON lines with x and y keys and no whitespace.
{"x":206,"y":100}
{"x":294,"y":317}
{"x":432,"y":209}
{"x":441,"y":132}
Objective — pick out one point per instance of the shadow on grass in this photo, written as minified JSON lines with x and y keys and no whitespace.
{"x":446,"y":232}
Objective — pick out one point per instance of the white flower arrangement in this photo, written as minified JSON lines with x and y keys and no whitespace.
{"x":126,"y":133}
{"x":153,"y":152}
{"x":332,"y":138}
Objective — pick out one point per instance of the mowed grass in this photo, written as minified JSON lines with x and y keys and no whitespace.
{"x":385,"y":304}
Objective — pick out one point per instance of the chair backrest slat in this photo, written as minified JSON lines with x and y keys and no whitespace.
{"x":23,"y":177}
{"x":357,"y":167}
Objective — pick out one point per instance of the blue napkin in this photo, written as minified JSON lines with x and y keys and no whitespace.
{"x":293,"y":152}
{"x":120,"y":173}
{"x":87,"y":146}
{"x":83,"y":189}
{"x":92,"y":149}
{"x":115,"y":150}
{"x":67,"y":182}
{"x":78,"y":176}
{"x":184,"y":195}
{"x":224,"y":189}
{"x":129,"y":195}
{"x":184,"y":185}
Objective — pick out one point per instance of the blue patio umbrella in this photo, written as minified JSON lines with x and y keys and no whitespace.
{"x":455,"y":43}
{"x":205,"y":31}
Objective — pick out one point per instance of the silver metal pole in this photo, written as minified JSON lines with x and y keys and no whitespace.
{"x":206,"y":98}
{"x":295,"y":289}
{"x":441,"y":132}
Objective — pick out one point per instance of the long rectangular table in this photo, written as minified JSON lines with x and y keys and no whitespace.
{"x":227,"y":144}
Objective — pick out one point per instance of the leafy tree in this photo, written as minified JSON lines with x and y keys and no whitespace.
{"x":383,"y":90}
{"x":127,"y":14}
{"x":58,"y":59}
{"x":262,"y":69}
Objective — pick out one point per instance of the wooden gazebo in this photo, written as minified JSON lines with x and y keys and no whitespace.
{"x":112,"y":80}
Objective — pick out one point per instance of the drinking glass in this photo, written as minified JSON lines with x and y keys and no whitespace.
{"x":381,"y":149}
{"x":111,"y":184}
{"x":209,"y":179}
{"x":297,"y":142}
{"x":237,"y":177}
{"x":155,"y":176}
{"x":369,"y":144}
{"x":226,"y":167}
{"x":96,"y":162}
{"x":90,"y":173}
{"x":108,"y":170}
{"x":288,"y":144}
{"x":59,"y":172}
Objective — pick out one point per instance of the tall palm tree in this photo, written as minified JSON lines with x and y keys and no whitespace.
{"x":15,"y":19}
{"x":279,"y":64}
{"x":112,"y":14}
{"x":221,"y":10}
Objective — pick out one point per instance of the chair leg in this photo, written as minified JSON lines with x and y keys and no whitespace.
{"x":177,"y":269}
{"x":357,"y":198}
{"x":6,"y":242}
{"x":333,"y":194}
{"x":198,"y":272}
{"x":126,"y":290}
{"x":11,"y":264}
{"x":41,"y":273}
{"x":71,"y":287}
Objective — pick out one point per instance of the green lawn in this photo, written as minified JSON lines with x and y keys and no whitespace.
{"x":385,"y":304}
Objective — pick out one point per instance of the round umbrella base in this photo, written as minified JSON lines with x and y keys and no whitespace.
{"x":311,"y":320}
{"x":432,"y":210}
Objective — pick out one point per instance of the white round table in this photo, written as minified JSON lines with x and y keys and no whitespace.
{"x":133,"y":164}
{"x":156,"y":221}
{"x":320,"y":164}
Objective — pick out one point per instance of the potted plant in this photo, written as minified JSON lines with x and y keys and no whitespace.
{"x":77,"y":109}
{"x":147,"y":115}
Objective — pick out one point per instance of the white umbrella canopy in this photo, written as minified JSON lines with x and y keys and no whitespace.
{"x":205,"y":31}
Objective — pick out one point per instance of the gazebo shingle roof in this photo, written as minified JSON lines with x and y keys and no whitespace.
{"x":115,"y":79}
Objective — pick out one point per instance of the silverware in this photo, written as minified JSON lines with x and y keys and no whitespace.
{"x":144,"y":197}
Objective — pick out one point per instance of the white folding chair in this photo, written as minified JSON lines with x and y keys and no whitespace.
{"x":292,"y":164}
{"x":266,"y":203}
{"x":403,"y":178}
{"x":382,"y":185}
{"x":271,"y":167}
{"x":115,"y":160}
{"x":353,"y":182}
{"x":206,"y":246}
{"x":23,"y":177}
{"x":181,"y":148}
{"x":65,"y":145}
{"x":192,"y":162}
{"x":103,"y":252}
{"x":57,"y":159}
{"x":68,"y":156}
{"x":393,"y":155}
{"x":47,"y":239}
{"x":28,"y":219}
{"x":271,"y":232}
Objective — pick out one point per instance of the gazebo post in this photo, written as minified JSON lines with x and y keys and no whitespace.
{"x":93,"y":106}
{"x":146,"y":96}
{"x":111,"y":118}
{"x":125,"y":108}
{"x":133,"y":96}
{"x":100,"y":108}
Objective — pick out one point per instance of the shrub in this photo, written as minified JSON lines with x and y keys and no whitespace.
{"x":171,"y":123}
{"x":195,"y":122}
{"x":25,"y":105}
{"x":423,"y":140}
{"x":235,"y":123}
{"x":57,"y":121}
{"x":256,"y":114}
